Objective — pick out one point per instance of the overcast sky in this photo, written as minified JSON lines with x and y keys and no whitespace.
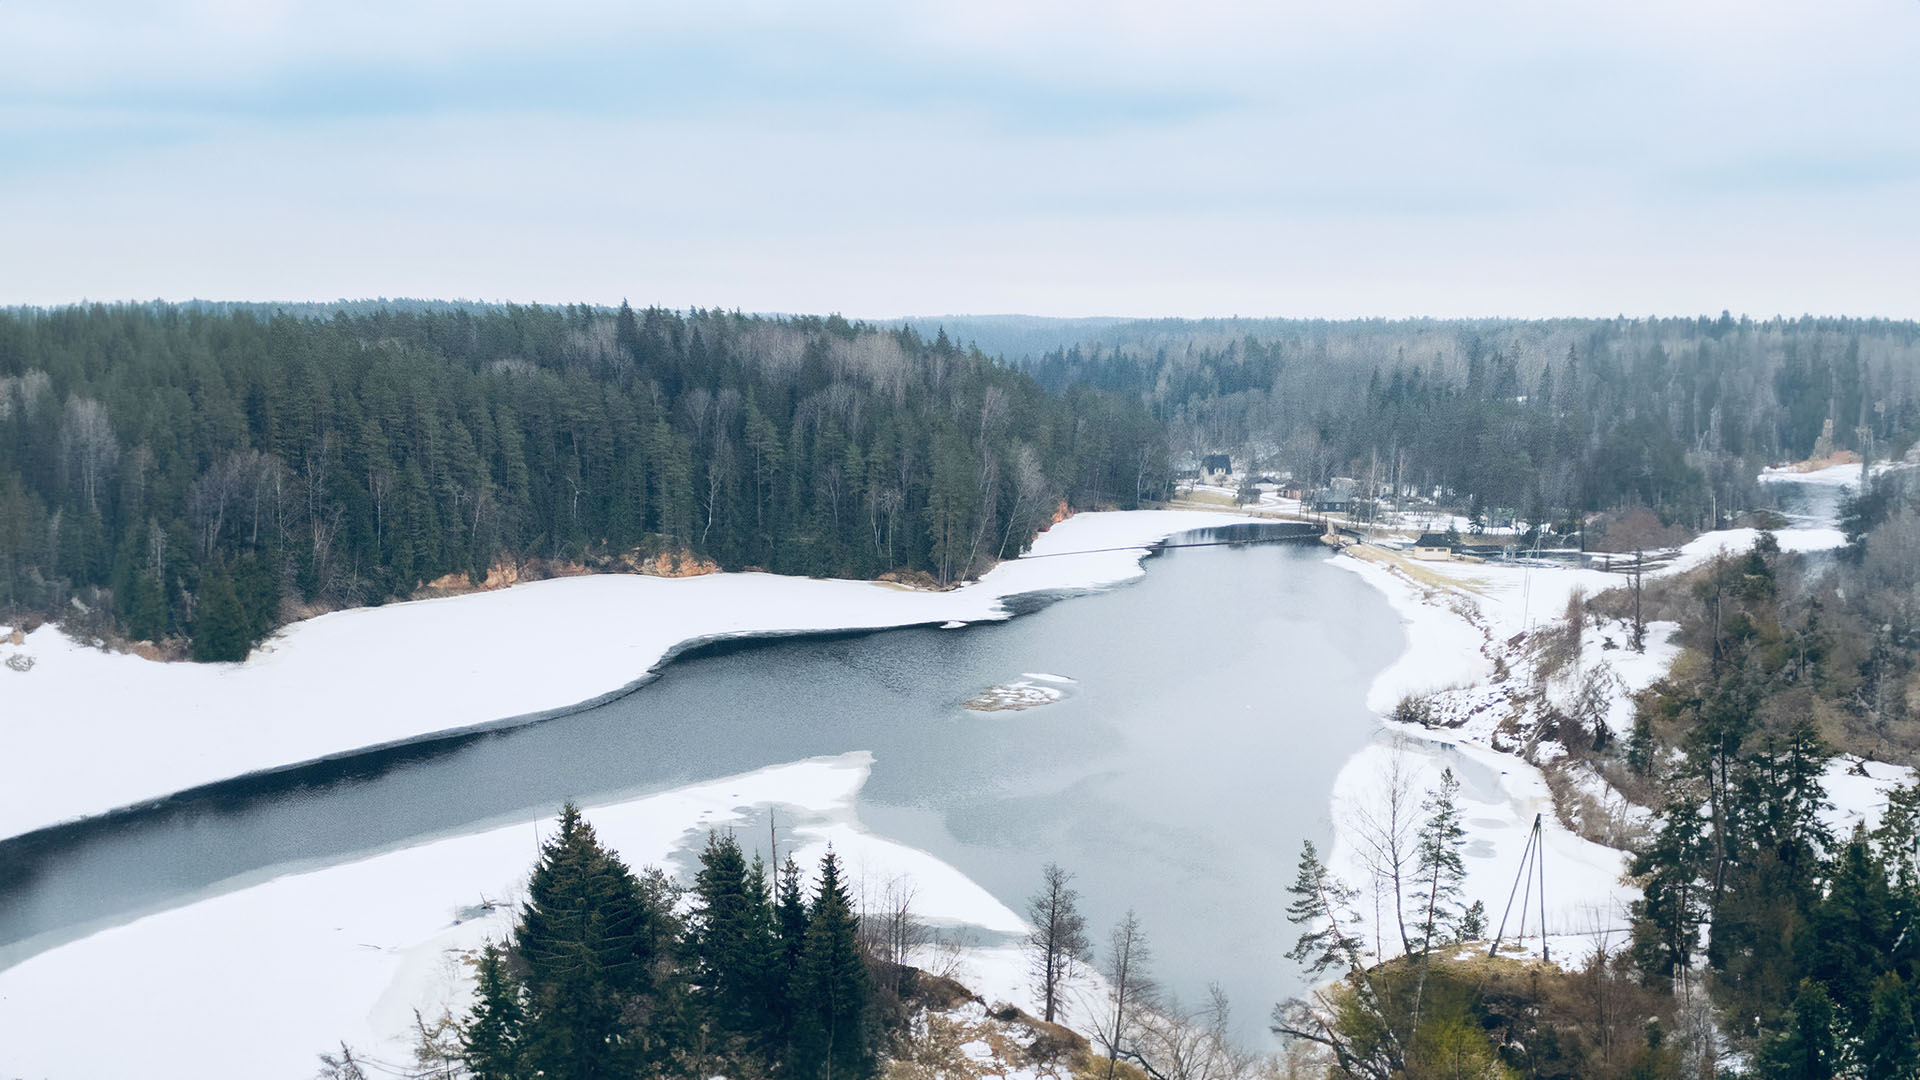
{"x":1342,"y":158}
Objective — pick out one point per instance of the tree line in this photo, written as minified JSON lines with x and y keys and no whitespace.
{"x":1552,"y":419}
{"x":207,"y":473}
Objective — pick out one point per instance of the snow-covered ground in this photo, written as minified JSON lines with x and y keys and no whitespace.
{"x":346,"y":953}
{"x":1832,"y":476}
{"x":255,"y":983}
{"x":1455,"y":632}
{"x":86,"y":731}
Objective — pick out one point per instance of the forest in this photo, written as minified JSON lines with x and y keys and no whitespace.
{"x":199,"y":475}
{"x":1552,"y":419}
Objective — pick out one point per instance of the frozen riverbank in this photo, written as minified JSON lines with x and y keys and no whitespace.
{"x":87,"y":731}
{"x":260,"y":980}
{"x":1470,"y":662}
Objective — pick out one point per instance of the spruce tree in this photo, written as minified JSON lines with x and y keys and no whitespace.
{"x":833,"y":1039}
{"x":582,"y":940}
{"x":1473,"y":922}
{"x":1849,"y":932}
{"x":787,"y":949}
{"x":1889,"y":1045}
{"x":730,"y":935}
{"x":1810,"y":1046}
{"x":490,"y":1038}
{"x":763,"y":964}
{"x":1672,"y":905}
{"x":220,"y":626}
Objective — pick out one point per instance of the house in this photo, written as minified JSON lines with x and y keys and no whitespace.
{"x":1216,"y":468}
{"x":1338,"y":496}
{"x":1331,"y":500}
{"x":1433,"y":546}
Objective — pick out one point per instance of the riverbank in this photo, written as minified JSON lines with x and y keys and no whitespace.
{"x":1475,"y":674}
{"x":89,"y":731}
{"x":260,"y":980}
{"x":384,"y":935}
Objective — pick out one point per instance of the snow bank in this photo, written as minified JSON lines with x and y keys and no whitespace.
{"x":1453,"y":634}
{"x":1704,"y":548}
{"x":1499,"y":798}
{"x":300,"y":963}
{"x":1831,"y":476}
{"x":1443,"y":646}
{"x":87,"y":731}
{"x":1858,"y":791}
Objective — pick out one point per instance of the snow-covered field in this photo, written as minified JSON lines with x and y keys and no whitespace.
{"x":87,"y":731}
{"x":257,"y":982}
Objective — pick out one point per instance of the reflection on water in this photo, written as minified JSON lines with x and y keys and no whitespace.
{"x":1215,"y":701}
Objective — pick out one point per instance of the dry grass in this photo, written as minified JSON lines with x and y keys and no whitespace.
{"x":1211,"y":499}
{"x":1411,"y":568}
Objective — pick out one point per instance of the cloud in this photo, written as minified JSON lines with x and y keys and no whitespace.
{"x":1208,"y":158}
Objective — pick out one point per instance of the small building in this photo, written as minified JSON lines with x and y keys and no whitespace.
{"x":1433,"y":546}
{"x":1331,"y":500}
{"x":1216,"y":468}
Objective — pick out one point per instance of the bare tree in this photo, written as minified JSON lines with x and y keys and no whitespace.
{"x":1058,"y":942}
{"x":1177,"y":1044}
{"x":1130,"y":990}
{"x":1029,"y":493}
{"x":86,"y":440}
{"x":1384,"y":834}
{"x":341,"y":1066}
{"x":891,"y":931}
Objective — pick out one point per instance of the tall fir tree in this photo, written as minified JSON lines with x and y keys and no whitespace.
{"x":220,"y":626}
{"x":490,"y":1037}
{"x":1889,"y":1044}
{"x":731,"y":939}
{"x":1810,"y":1045}
{"x":583,"y":941}
{"x":833,"y":996}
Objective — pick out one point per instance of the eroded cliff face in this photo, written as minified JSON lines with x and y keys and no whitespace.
{"x":674,"y":564}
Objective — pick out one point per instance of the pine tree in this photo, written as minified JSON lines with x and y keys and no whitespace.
{"x":220,"y":626}
{"x":833,"y":1039}
{"x":1058,"y":943}
{"x":1849,"y":932}
{"x":490,"y":1038}
{"x":1473,"y":923}
{"x":1811,"y":1045}
{"x":583,"y":941}
{"x":730,"y":937}
{"x":1439,"y":868}
{"x":1889,"y":1045}
{"x":1323,"y":908}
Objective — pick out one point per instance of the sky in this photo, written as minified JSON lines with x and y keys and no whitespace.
{"x":1348,"y":158}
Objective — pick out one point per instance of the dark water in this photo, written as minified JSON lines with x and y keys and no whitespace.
{"x":1216,"y":699}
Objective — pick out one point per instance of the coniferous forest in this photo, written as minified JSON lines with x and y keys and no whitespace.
{"x":205,"y":474}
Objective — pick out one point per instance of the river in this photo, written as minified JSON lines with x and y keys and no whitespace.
{"x":1214,"y":701}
